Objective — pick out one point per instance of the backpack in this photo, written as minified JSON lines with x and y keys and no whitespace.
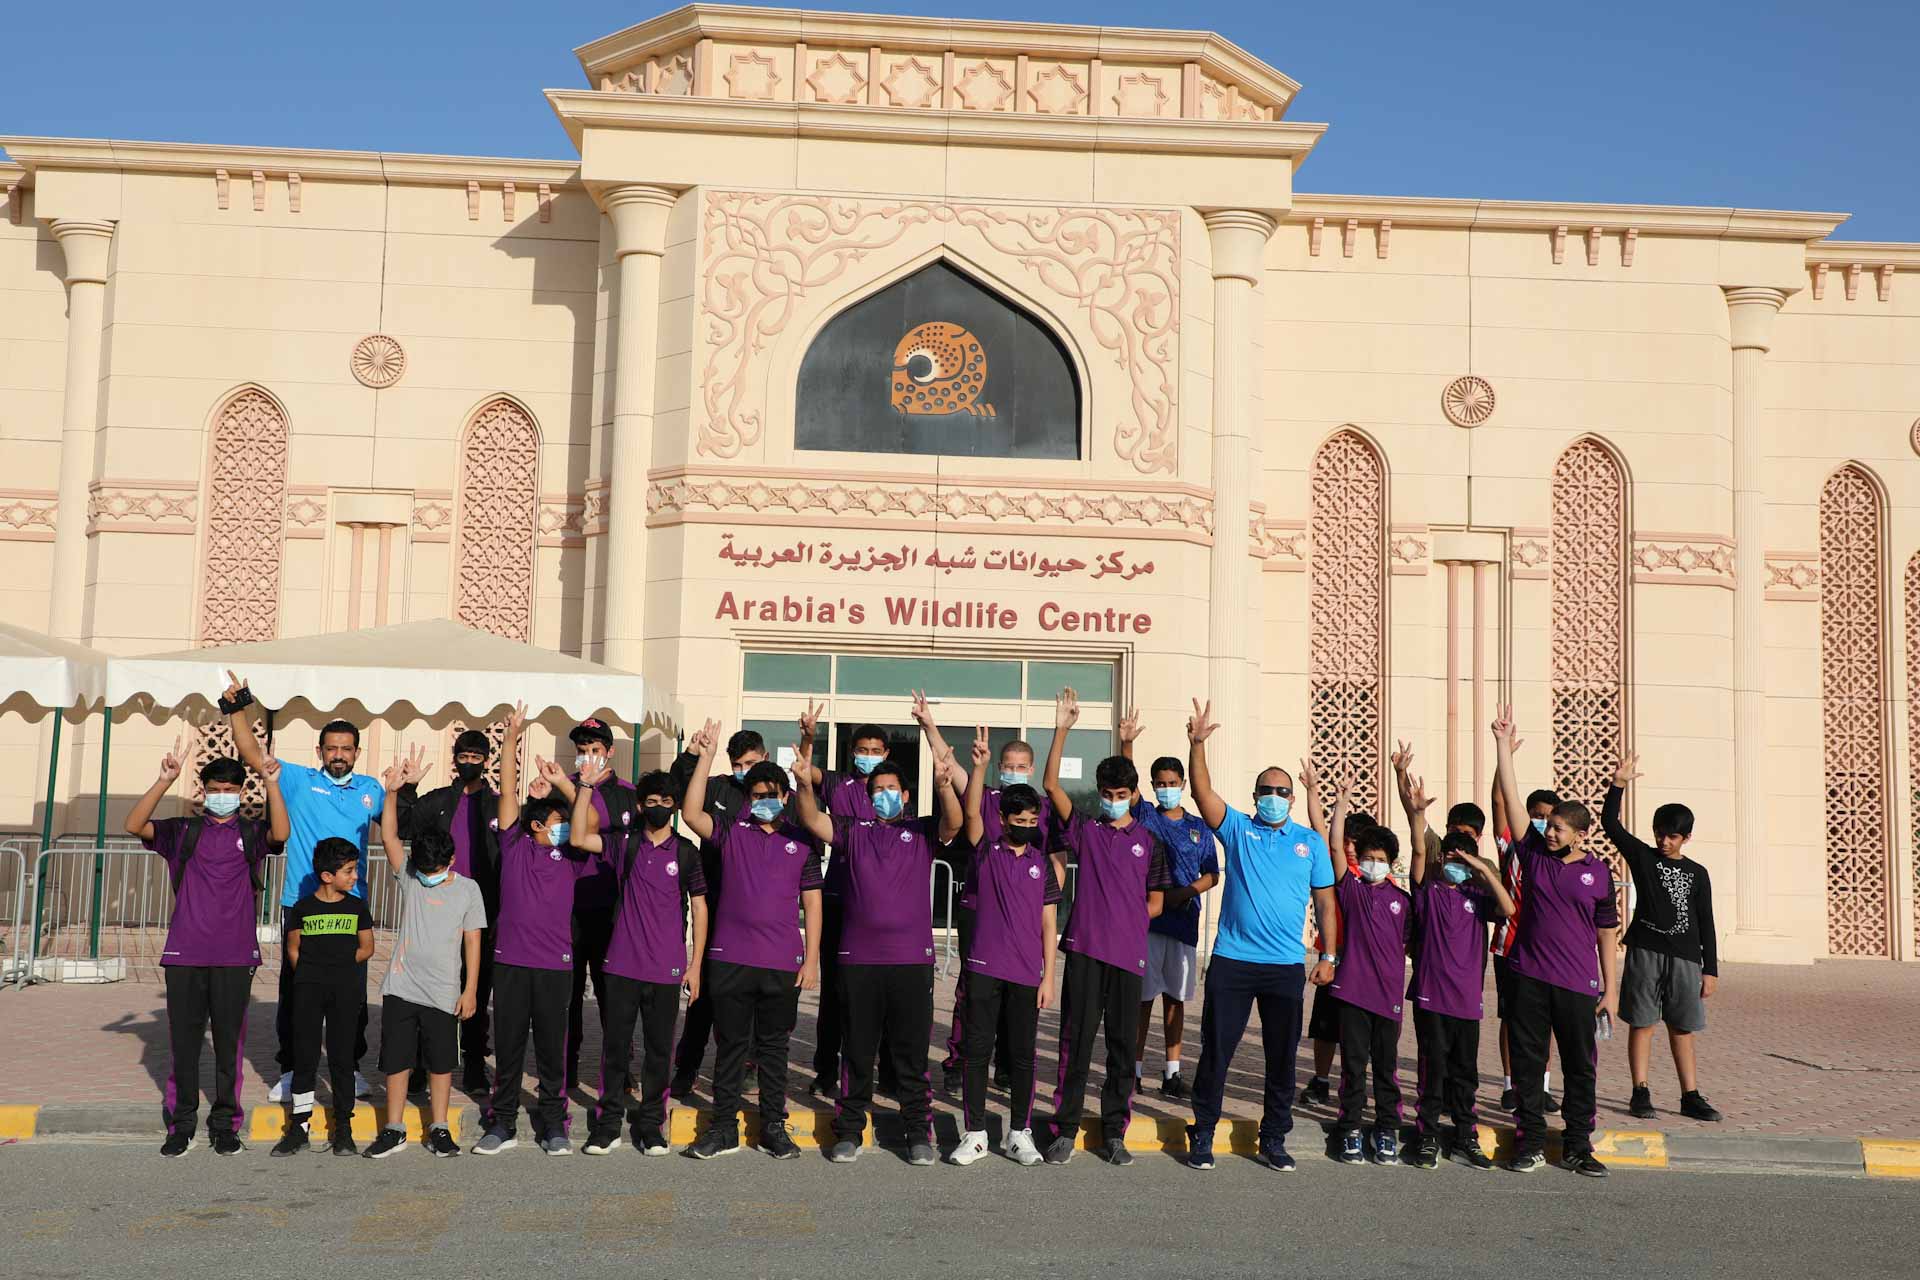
{"x":254,"y":847}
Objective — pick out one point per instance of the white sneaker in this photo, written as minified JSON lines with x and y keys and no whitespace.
{"x":281,"y":1088}
{"x":1019,"y":1148}
{"x":973,"y":1145}
{"x":361,"y":1089}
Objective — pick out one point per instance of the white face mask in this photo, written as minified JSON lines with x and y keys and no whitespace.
{"x":1373,"y":871}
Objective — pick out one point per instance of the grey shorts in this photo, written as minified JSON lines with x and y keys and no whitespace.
{"x":1658,"y":988}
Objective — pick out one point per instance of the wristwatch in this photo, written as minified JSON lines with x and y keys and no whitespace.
{"x":1328,"y":959}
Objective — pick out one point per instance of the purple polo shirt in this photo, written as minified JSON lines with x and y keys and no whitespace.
{"x":213,"y":911}
{"x":535,"y":929}
{"x":1450,"y":947}
{"x":597,"y":885}
{"x":846,"y":797}
{"x":1376,"y":921}
{"x":1013,"y":886}
{"x":765,"y":873}
{"x":1119,"y":866}
{"x":991,"y":826}
{"x":1565,"y":905}
{"x":888,"y":910}
{"x":649,"y":941}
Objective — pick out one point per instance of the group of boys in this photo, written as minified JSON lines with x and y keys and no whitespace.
{"x":523,"y":900}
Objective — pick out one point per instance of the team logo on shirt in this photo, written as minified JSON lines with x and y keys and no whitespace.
{"x":673,"y":869}
{"x":906,"y":837}
{"x":1466,"y":905}
{"x":1586,"y":877}
{"x":554,"y":854}
{"x":1300,"y":850}
{"x":1195,"y":837}
{"x":1033,"y":873}
{"x":626,"y":817}
{"x":1394,"y":907}
{"x":792,"y":847}
{"x":366,"y":801}
{"x":1138,"y":852}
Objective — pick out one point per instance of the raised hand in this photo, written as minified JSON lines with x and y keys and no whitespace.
{"x":1503,"y":727}
{"x":394,"y":776}
{"x":172,"y":762}
{"x":517,"y":719}
{"x":234,"y":685}
{"x":415,"y":766}
{"x":703,"y":742}
{"x":538,"y":788}
{"x":1201,"y":724}
{"x":809,"y":725}
{"x":1066,"y":710}
{"x":922,"y":712}
{"x":1628,"y":770}
{"x":550,"y":773}
{"x":982,"y":747}
{"x":1129,"y":728}
{"x":1402,"y":757}
{"x":270,"y":769}
{"x":1309,"y":776}
{"x":1417,"y":798}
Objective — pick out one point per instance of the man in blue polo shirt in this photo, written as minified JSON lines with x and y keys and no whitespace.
{"x":1273,"y":865}
{"x":331,"y":800}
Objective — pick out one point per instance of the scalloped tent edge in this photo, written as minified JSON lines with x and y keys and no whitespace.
{"x":40,"y":672}
{"x":434,"y":667}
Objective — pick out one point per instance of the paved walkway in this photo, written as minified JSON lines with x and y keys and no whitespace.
{"x":1827,"y":1050}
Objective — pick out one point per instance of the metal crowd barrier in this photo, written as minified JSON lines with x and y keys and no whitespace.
{"x":13,"y":900}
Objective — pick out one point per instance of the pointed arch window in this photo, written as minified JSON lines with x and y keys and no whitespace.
{"x":1347,"y":615}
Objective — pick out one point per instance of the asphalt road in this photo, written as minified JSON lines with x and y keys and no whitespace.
{"x":104,"y":1210}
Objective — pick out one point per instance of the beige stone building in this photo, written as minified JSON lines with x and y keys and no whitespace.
{"x":858,"y":354}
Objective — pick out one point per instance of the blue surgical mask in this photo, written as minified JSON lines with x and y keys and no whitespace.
{"x":1457,"y":872}
{"x":740,"y":774}
{"x":1373,"y":871}
{"x":1540,"y":825}
{"x":1273,"y":809}
{"x":1112,"y":810}
{"x":887,"y":803}
{"x":223,"y":804}
{"x":766,"y":809}
{"x":431,"y":880}
{"x":344,"y":780}
{"x":1015,"y":777}
{"x":1169,"y":797}
{"x":559,"y":833}
{"x":867,"y":764}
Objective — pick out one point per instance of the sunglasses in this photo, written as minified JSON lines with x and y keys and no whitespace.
{"x":1285,"y":792}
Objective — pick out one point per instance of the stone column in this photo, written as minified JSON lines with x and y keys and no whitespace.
{"x":639,"y":215}
{"x":1751,"y":313}
{"x":86,"y":245}
{"x":1238,"y":239}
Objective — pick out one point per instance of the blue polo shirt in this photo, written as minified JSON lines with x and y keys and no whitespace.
{"x":317,"y":810}
{"x":1271,"y":875}
{"x":1190,"y":855}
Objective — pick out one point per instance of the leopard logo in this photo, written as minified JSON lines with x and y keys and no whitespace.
{"x":940,"y":368}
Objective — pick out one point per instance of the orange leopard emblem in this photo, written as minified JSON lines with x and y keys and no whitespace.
{"x":940,"y":368}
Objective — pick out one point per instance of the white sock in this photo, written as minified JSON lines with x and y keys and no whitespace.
{"x":1136,"y":1071}
{"x":1546,"y":1082}
{"x":1506,"y":1082}
{"x":1173,"y":1067}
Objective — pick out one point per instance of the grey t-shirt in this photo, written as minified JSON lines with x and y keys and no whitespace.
{"x":427,"y":955}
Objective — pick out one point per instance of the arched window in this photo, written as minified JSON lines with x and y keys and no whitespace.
{"x":938,"y":363}
{"x":498,"y":511}
{"x":1589,"y":650}
{"x":1853,"y":689}
{"x":1347,"y":615}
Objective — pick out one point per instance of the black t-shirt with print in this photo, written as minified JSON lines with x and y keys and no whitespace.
{"x":329,"y":935}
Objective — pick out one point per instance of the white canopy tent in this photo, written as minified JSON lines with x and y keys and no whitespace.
{"x":412,"y":670}
{"x":38,"y":672}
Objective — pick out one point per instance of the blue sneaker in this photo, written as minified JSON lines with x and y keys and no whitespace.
{"x":1274,"y":1156}
{"x":1386,"y":1146}
{"x":1199,"y":1147}
{"x":1351,"y":1152}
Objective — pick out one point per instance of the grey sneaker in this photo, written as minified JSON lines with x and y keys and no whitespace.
{"x":556,"y":1145}
{"x":1060,"y":1150}
{"x":1117,"y":1154}
{"x":1020,"y":1149}
{"x":494,"y":1143}
{"x":921,"y":1154}
{"x":845,"y":1151}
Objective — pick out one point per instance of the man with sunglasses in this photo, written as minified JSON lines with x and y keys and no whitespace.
{"x":1274,"y":866}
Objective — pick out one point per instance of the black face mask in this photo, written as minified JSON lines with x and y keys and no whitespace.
{"x":470,"y":770}
{"x":1018,"y":837}
{"x":656,"y":816}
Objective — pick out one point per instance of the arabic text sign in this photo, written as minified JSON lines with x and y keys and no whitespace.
{"x":870,"y":560}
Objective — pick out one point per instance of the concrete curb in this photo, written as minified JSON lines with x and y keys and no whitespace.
{"x":811,"y":1127}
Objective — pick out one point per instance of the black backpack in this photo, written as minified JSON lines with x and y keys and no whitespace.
{"x":251,"y":840}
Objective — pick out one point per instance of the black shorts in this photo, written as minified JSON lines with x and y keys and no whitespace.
{"x":412,"y":1033}
{"x":1324,"y":1023}
{"x":1502,"y":986}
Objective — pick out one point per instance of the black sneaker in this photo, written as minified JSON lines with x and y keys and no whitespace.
{"x":1695,"y":1107}
{"x":1386,"y":1146}
{"x":227,"y":1143}
{"x":1527,"y":1162}
{"x":1584,"y":1163}
{"x":1199,"y":1147}
{"x":602,"y":1143}
{"x":716,"y":1141}
{"x":1351,"y":1150}
{"x":1467,"y":1151}
{"x":1176,"y":1087}
{"x":1319,"y":1090}
{"x":1641,"y":1104}
{"x":1116,"y":1153}
{"x":651,"y":1141}
{"x":1060,"y":1150}
{"x":292,"y":1142}
{"x":1509,"y":1100}
{"x":343,"y":1145}
{"x":439,"y":1142}
{"x":1424,"y":1154}
{"x":176,"y":1145}
{"x":389,"y":1141}
{"x":777,"y":1141}
{"x":1549,"y":1106}
{"x":953,"y":1079}
{"x":1274,"y":1156}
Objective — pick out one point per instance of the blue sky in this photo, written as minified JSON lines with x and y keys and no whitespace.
{"x":1713,"y":102}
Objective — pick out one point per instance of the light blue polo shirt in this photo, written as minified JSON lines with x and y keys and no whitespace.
{"x":1271,"y":875}
{"x":317,"y":810}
